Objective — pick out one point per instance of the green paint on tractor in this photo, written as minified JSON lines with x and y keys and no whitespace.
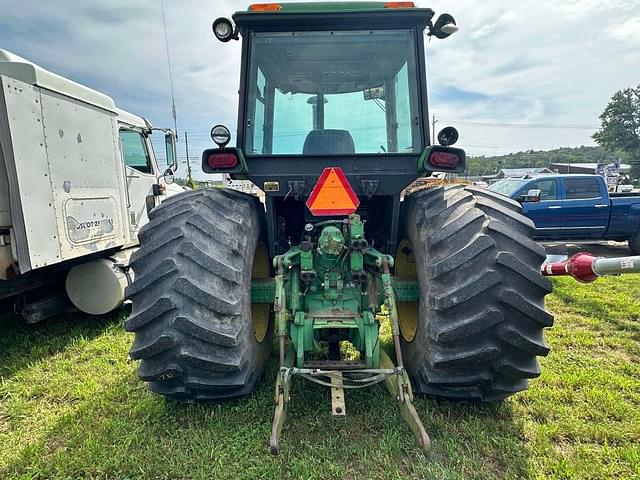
{"x":326,"y":298}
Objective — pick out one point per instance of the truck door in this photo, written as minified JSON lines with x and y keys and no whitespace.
{"x":545,"y":213}
{"x":140,"y":177}
{"x":585,"y":207}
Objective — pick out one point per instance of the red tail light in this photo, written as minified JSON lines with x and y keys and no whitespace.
{"x":446,"y":160}
{"x":219,"y":161}
{"x":438,"y":158}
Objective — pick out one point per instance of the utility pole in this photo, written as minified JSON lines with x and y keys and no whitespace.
{"x":433,"y":130}
{"x":186,"y":147}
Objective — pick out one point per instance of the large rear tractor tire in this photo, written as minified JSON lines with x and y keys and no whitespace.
{"x":478,"y":327}
{"x":192,"y":312}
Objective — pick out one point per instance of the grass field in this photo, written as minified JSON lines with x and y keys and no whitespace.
{"x":72,"y":407}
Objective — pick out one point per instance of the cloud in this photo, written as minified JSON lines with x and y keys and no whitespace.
{"x":503,"y":21}
{"x":627,"y":30}
{"x":543,"y":62}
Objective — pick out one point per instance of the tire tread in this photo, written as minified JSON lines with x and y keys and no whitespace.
{"x":482,"y":295}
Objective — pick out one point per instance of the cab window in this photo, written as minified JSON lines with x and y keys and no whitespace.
{"x":547,"y":188}
{"x":581,"y":188}
{"x":333,"y":93}
{"x":134,"y":151}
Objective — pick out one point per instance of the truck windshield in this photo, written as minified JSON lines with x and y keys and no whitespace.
{"x":324,"y":93}
{"x":508,"y":186}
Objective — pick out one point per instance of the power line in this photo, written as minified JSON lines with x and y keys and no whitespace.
{"x":525,"y":125}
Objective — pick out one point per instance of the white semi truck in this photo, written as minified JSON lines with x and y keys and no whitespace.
{"x":78,"y":178}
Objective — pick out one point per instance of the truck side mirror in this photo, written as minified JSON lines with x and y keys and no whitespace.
{"x":170,"y":149}
{"x":532,"y":196}
{"x":169,"y":176}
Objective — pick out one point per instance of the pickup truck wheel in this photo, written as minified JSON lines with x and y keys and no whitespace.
{"x":634,"y":244}
{"x":196,"y":333}
{"x":478,"y":327}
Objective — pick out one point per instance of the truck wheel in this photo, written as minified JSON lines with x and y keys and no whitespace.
{"x":478,"y":326}
{"x":196,"y":333}
{"x":634,"y":244}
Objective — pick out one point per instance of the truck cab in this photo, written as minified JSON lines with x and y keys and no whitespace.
{"x":574,"y":207}
{"x":78,"y":177}
{"x":145,"y":182}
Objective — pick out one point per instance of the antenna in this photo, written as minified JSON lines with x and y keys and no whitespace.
{"x":166,"y":43}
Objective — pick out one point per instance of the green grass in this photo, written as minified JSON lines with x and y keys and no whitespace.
{"x":72,"y":407}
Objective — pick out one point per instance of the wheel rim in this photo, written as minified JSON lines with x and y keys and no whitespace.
{"x":408,"y":312}
{"x":260,"y":312}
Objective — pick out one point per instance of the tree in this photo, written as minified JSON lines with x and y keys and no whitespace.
{"x":486,"y":165}
{"x":620,"y":130}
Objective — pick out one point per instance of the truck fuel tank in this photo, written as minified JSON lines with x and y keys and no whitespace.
{"x":97,"y":287}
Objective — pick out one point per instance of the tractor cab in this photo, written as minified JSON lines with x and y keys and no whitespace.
{"x":331,"y":84}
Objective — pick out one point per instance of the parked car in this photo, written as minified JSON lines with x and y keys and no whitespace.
{"x":575,"y":207}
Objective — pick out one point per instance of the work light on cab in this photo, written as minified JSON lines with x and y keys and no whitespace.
{"x":220,"y":135}
{"x":223,"y":29}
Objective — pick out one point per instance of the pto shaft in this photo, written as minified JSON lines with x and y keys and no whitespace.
{"x":586,"y":268}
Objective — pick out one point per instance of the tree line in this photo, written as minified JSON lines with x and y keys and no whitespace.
{"x":486,"y":165}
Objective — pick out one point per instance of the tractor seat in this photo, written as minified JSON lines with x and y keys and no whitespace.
{"x":326,"y":142}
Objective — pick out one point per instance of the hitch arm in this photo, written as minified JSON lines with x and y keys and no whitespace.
{"x":283,"y":383}
{"x":400,"y":387}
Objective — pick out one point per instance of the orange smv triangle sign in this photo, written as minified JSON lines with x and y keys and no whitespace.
{"x":332,"y":194}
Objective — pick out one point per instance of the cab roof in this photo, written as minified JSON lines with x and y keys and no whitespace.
{"x":25,"y":71}
{"x":18,"y":68}
{"x":312,"y":15}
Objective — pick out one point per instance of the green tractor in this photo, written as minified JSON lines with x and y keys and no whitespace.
{"x":333,"y":126}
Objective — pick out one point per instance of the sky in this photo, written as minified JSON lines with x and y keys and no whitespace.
{"x":519,"y":75}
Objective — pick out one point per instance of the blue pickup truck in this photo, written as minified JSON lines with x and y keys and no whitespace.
{"x":575,"y":207}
